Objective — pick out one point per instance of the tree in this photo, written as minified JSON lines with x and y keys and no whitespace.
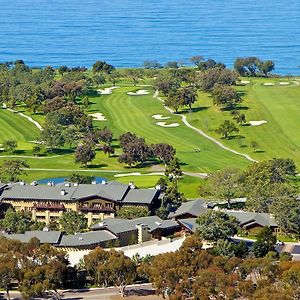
{"x":135,"y":150}
{"x":62,"y":70}
{"x":10,"y":145}
{"x":208,"y":79}
{"x":7,"y":273}
{"x":172,"y":199}
{"x":226,"y":129}
{"x":287,"y":214}
{"x":267,"y":181}
{"x":110,"y":268}
{"x":216,"y":225}
{"x":238,"y":117}
{"x":132,"y":212}
{"x":225,"y":96}
{"x":166,"y":84}
{"x":85,"y":102}
{"x":114,"y":77}
{"x":173,"y":169}
{"x":98,"y":79}
{"x":11,"y":169}
{"x":149,"y":64}
{"x":36,"y":150}
{"x":108,"y":150}
{"x":70,"y":135}
{"x":81,"y":179}
{"x":84,"y":153}
{"x":197,"y":60}
{"x":135,"y":75}
{"x":102,"y":66}
{"x":266,"y":67}
{"x":164,"y":152}
{"x":224,"y":185}
{"x":105,"y":135}
{"x":174,"y":100}
{"x":254,"y":145}
{"x":172,"y":65}
{"x":265,"y":242}
{"x":180,"y":97}
{"x":72,"y":222}
{"x":16,"y":222}
{"x":53,"y":136}
{"x":247,"y":66}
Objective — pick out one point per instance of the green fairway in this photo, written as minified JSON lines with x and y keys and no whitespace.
{"x":134,"y":113}
{"x":278,"y":105}
{"x":16,"y":127}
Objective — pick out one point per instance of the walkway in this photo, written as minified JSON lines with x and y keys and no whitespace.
{"x":185,"y":122}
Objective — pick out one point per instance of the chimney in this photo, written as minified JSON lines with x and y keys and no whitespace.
{"x":63,"y":192}
{"x":131,"y":185}
{"x":143,"y":234}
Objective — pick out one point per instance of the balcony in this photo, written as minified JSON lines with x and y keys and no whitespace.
{"x":96,"y":209}
{"x":50,"y":207}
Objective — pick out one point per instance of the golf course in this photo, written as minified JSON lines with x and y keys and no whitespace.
{"x":135,"y":109}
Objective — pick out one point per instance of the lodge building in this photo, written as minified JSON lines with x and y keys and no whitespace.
{"x":96,"y":201}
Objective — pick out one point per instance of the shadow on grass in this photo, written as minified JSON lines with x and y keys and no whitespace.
{"x":92,"y":92}
{"x":259,"y":151}
{"x":194,"y":109}
{"x":233,"y":137}
{"x":95,"y":166}
{"x":19,"y":152}
{"x":60,"y":151}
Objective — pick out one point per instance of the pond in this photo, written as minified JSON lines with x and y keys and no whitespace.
{"x":57,"y":180}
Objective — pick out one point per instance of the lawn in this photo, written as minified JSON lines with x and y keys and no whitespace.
{"x":278,"y":105}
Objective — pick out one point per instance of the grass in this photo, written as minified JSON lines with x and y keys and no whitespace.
{"x":134,"y":113}
{"x":278,"y":105}
{"x":15,"y":127}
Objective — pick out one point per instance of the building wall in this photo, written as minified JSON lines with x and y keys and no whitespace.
{"x":47,"y":215}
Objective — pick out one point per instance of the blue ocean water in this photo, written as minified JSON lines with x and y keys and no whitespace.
{"x":128,"y":32}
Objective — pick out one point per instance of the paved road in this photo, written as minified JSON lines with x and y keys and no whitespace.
{"x":93,"y":294}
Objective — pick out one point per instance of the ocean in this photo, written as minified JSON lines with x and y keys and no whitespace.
{"x":125,"y":33}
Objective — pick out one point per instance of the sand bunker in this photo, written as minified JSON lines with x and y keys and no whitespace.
{"x":163,"y":124}
{"x":269,"y":83}
{"x":245,"y":81}
{"x":107,"y":91}
{"x":98,"y":117}
{"x":284,"y":83}
{"x":257,"y":123}
{"x":160,"y":117}
{"x":138,"y":93}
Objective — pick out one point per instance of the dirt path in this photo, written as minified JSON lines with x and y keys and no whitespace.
{"x":185,"y":122}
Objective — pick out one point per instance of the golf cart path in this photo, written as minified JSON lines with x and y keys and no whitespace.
{"x":37,"y":124}
{"x":185,"y":122}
